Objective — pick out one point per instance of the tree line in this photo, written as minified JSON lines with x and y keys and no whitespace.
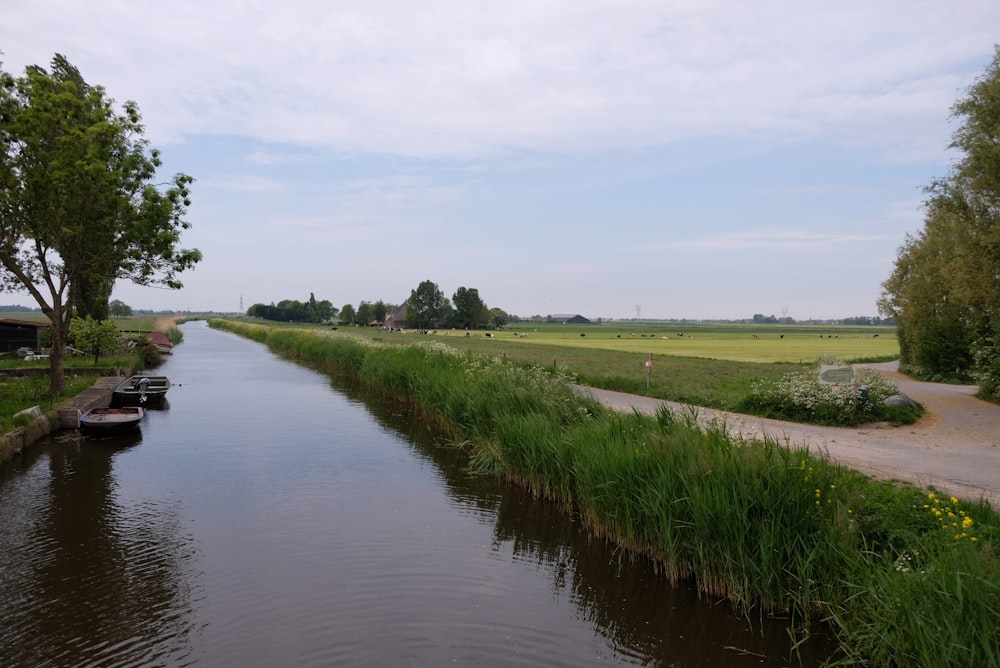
{"x":429,"y":308}
{"x":944,"y":291}
{"x":426,"y":308}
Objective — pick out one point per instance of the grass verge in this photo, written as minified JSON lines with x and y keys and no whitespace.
{"x":20,"y":392}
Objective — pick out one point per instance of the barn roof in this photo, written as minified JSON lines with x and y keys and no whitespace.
{"x":25,"y":323}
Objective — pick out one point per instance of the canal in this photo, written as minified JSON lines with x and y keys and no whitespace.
{"x":270,"y":516}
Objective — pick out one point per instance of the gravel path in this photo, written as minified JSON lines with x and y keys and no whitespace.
{"x":955,"y":446}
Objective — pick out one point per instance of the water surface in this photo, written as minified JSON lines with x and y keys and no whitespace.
{"x":269,"y":516}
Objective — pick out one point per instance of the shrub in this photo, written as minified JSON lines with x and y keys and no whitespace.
{"x":800,"y":397}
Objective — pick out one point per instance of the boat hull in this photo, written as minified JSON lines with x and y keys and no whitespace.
{"x":141,"y":391}
{"x":112,"y":419}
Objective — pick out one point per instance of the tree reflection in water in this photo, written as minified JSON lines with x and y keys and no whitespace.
{"x":93,"y":576}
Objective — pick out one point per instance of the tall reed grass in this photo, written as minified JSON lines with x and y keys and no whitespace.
{"x":903,"y":577}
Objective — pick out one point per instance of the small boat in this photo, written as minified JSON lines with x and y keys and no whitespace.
{"x":112,"y":419}
{"x":141,"y":390}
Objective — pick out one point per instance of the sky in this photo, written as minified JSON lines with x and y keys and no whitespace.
{"x":671,"y":159}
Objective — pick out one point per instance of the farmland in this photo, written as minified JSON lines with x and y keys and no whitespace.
{"x":739,"y":343}
{"x":712,"y":365}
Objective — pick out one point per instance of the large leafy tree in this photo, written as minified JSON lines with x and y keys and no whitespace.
{"x":944,"y":291}
{"x":365,"y":313}
{"x":427,"y":306}
{"x":470,"y":309}
{"x":79,"y":207}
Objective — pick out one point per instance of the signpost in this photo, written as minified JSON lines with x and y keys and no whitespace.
{"x":649,"y":370}
{"x":836,"y":375}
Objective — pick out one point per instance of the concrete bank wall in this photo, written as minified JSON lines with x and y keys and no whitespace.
{"x":64,"y":416}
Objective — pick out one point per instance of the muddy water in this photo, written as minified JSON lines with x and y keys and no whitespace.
{"x":268,"y":517}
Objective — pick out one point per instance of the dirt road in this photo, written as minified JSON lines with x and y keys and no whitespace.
{"x":955,"y":446}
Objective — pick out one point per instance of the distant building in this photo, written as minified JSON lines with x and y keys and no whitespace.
{"x":569,"y":319}
{"x":397,"y":319}
{"x":161,"y":341}
{"x":16,"y":334}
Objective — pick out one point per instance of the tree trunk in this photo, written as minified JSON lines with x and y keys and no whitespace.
{"x":60,"y":330}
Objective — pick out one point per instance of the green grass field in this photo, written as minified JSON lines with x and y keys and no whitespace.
{"x":740,"y":343}
{"x":711,"y":365}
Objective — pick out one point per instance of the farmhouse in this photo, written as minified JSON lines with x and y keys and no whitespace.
{"x":397,"y":319}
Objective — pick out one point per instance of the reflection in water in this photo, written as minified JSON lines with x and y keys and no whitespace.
{"x":93,"y":578}
{"x":268,"y":518}
{"x":635,"y":609}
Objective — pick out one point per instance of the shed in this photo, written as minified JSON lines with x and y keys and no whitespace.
{"x":16,"y":334}
{"x":161,"y":341}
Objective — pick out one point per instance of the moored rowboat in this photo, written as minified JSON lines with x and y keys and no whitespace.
{"x":112,"y":419}
{"x":141,"y":390}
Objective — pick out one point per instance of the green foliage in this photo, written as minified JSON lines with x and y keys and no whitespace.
{"x":20,"y":392}
{"x":470,"y":310}
{"x":800,"y":397}
{"x":292,"y":310}
{"x":427,"y":307}
{"x":347,"y":314}
{"x":498,"y":318}
{"x":941,"y":292}
{"x":119,"y":309}
{"x":94,"y":336}
{"x":80,"y":206}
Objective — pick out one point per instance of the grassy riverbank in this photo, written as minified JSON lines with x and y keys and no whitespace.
{"x":765,"y":370}
{"x":903,"y":577}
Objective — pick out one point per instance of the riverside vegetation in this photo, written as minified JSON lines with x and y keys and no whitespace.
{"x":751,"y":369}
{"x":24,"y":384}
{"x":902,"y":576}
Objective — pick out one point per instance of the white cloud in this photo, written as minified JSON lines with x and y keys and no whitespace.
{"x":452,"y":78}
{"x":523,"y":148}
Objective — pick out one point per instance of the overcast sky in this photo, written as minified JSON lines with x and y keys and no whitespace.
{"x":669,"y":159}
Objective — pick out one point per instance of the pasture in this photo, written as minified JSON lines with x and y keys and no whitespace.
{"x":712,"y":365}
{"x":759,"y":344}
{"x":796,"y":344}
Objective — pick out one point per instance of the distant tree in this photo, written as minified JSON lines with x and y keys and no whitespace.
{"x":294,"y":310}
{"x":470,"y":310}
{"x":380,"y":310}
{"x":427,"y":306}
{"x":447,"y":317}
{"x":119,"y":309}
{"x":347,"y":314}
{"x":259,"y":311}
{"x":364,"y":314}
{"x":94,"y":336}
{"x":325,"y":311}
{"x":498,"y":318}
{"x":79,"y":207}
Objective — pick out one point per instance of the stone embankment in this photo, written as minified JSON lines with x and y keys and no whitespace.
{"x":64,"y":416}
